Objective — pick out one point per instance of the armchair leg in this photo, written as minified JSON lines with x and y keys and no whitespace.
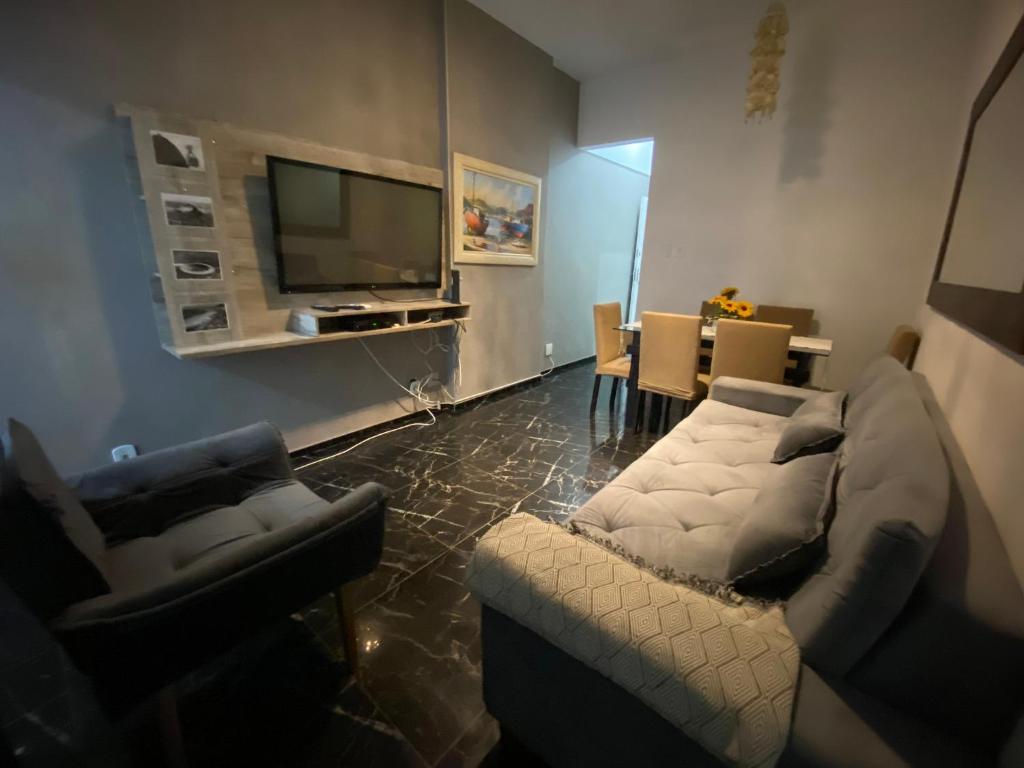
{"x":170,"y":727}
{"x":668,"y":410}
{"x":597,"y":389}
{"x":347,"y":625}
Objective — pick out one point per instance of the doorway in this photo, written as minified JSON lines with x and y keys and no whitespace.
{"x":638,"y":156}
{"x":638,"y":255}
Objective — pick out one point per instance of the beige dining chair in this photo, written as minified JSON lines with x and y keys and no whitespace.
{"x":801,"y":319}
{"x":798,"y":317}
{"x":669,"y":349}
{"x":749,"y":350}
{"x":609,"y":345}
{"x":903,"y":344}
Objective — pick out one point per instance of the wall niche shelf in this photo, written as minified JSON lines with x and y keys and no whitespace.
{"x":407,"y":316}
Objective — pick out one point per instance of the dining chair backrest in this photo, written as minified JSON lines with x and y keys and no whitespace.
{"x":797,"y":317}
{"x":669,"y":346}
{"x":903,"y":344}
{"x":750,"y":350}
{"x":607,"y":340}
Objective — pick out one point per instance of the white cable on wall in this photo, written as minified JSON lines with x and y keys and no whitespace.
{"x":416,"y":392}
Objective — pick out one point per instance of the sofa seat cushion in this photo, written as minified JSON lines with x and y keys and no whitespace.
{"x":680,"y":504}
{"x":150,"y":561}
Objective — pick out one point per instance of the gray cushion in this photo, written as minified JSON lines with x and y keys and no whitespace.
{"x":785,"y":528}
{"x":680,"y":504}
{"x":891,"y":499}
{"x":815,"y":427}
{"x":148,"y":494}
{"x":51,"y":552}
{"x":153,"y":561}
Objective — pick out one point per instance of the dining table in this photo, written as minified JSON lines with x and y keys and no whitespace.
{"x":803,"y":350}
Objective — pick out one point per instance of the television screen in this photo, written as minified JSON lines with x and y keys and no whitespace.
{"x":340,"y":230}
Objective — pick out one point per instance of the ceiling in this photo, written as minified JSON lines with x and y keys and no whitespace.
{"x":588,"y":38}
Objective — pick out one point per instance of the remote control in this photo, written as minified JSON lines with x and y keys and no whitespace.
{"x":336,"y":307}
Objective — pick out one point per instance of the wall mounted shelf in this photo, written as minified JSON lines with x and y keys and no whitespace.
{"x":411,"y":316}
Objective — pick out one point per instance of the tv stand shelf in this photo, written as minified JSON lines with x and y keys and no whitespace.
{"x":313,"y":326}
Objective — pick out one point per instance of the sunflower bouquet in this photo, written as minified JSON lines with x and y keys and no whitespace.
{"x":725,"y":304}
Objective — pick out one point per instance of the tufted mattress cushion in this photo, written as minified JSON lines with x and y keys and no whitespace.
{"x":679,"y":505}
{"x":150,"y":561}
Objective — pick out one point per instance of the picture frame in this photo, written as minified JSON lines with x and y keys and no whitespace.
{"x":196,"y":264}
{"x":496,"y":214}
{"x":212,"y":316}
{"x":177,"y":150}
{"x":195,"y":211}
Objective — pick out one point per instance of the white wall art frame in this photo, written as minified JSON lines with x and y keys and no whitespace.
{"x":496,"y":214}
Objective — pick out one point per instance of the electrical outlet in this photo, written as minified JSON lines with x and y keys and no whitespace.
{"x":549,"y":349}
{"x":124,"y":452}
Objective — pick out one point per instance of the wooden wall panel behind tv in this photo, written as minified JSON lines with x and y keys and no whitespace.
{"x":235,"y":179}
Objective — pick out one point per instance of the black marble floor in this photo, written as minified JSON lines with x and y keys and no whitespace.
{"x":287,"y":698}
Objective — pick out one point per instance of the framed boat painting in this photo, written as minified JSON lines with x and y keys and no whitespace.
{"x":496,"y":214}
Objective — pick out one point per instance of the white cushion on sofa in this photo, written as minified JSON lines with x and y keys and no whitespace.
{"x":680,"y":504}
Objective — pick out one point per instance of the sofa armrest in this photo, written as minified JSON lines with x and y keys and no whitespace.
{"x":144,"y":495}
{"x":205,"y":580}
{"x":779,"y":399}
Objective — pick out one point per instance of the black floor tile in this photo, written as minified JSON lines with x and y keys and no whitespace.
{"x":528,"y":462}
{"x":421,"y":655}
{"x":482,"y":745}
{"x":456,"y":501}
{"x":407,"y":549}
{"x":292,"y":703}
{"x":287,"y":696}
{"x":557,"y":500}
{"x":391,"y":464}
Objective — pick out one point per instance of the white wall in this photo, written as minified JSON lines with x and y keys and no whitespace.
{"x":592,"y":215}
{"x":838,"y":202}
{"x":980,"y":386}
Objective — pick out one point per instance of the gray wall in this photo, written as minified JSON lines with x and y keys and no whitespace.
{"x":509,"y":105}
{"x":978,"y":384}
{"x":83,"y":365}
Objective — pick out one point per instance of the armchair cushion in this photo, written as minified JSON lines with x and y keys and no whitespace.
{"x":152,"y":561}
{"x":205,"y":583}
{"x":149,"y":494}
{"x":51,"y":552}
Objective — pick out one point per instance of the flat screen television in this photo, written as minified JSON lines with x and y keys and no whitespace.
{"x":341,"y":230}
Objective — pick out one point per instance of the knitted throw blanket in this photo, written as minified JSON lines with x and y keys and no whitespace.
{"x":724,"y":674}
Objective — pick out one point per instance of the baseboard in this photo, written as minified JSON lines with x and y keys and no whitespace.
{"x":529,"y":380}
{"x":494,"y":394}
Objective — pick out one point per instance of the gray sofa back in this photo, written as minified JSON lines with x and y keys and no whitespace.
{"x":891,"y":498}
{"x":955,"y":655}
